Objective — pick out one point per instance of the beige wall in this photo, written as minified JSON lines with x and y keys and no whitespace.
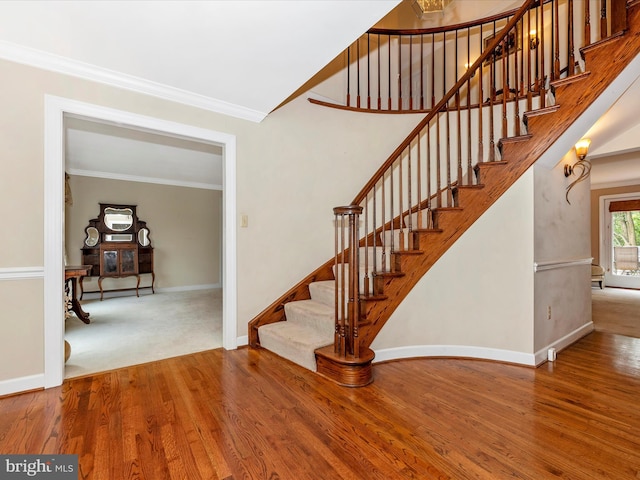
{"x":185,"y":225}
{"x":22,"y":353}
{"x":595,"y":214}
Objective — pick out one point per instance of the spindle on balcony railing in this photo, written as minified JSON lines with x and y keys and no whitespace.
{"x":516,"y":57}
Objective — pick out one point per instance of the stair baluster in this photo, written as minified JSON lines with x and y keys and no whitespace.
{"x":347,"y":265}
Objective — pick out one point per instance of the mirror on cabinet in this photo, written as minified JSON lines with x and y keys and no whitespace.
{"x":92,"y":237}
{"x":118,"y":219}
{"x":143,"y":237}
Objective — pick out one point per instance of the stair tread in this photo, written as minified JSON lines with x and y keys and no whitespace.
{"x":309,"y":306}
{"x":300,"y":334}
{"x":490,"y":164}
{"x":447,"y":209}
{"x":389,"y":274}
{"x":567,"y":80}
{"x":515,"y":139}
{"x":542,"y":111}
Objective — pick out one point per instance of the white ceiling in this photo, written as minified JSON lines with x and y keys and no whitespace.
{"x":210,"y":54}
{"x":244,"y":57}
{"x":615,"y":143}
{"x":241,"y":58}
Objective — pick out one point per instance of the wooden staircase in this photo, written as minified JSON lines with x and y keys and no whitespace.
{"x":444,"y":223}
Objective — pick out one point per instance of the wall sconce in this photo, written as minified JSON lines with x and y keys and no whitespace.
{"x":582,"y":167}
{"x":467,"y":66}
{"x":533,"y":40}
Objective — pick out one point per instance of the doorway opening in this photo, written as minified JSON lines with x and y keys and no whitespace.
{"x":620,"y":240}
{"x":55,"y":110}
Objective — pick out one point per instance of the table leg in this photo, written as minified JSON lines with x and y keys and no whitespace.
{"x":100,"y":287}
{"x":75,"y":304}
{"x":81,"y":286}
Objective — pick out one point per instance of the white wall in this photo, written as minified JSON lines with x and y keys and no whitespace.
{"x":477,"y":300}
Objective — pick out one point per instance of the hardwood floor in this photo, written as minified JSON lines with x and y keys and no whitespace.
{"x":616,"y":310}
{"x":248,"y":414}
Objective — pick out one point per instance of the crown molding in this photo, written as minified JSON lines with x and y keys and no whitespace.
{"x":621,"y":183}
{"x":136,"y":178}
{"x":55,"y":63}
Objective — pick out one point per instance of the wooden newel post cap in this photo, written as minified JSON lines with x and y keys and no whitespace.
{"x":348,"y":210}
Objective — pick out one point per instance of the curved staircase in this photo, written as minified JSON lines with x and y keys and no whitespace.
{"x":328,"y":321}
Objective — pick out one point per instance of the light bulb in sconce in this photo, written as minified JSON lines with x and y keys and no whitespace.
{"x":582,"y":167}
{"x":533,"y":40}
{"x":467,"y":66}
{"x":582,"y":148}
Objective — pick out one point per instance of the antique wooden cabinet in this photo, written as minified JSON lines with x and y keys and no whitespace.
{"x":117,"y":245}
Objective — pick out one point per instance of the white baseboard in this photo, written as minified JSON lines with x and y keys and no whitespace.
{"x":145,"y":290}
{"x":242,"y":341}
{"x":462,"y":351}
{"x":22,"y":384}
{"x":187,"y":288}
{"x":484,"y":353}
{"x":564,"y":342}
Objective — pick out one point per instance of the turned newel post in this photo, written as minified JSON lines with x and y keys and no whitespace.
{"x":347,"y":273}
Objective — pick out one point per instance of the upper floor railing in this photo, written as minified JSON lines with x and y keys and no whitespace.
{"x":411,"y":70}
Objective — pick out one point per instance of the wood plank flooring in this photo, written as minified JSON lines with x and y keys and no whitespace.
{"x":616,"y":310}
{"x":247,"y":414}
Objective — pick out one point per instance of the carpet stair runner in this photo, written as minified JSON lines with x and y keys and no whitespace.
{"x":310,"y":323}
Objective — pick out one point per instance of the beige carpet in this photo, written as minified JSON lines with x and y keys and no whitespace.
{"x":130,"y":330}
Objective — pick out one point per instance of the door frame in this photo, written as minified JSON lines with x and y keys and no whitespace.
{"x":604,"y":235}
{"x":54,"y":167}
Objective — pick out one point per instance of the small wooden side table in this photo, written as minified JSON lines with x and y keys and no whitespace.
{"x":72,"y":274}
